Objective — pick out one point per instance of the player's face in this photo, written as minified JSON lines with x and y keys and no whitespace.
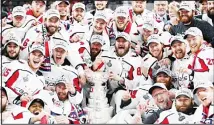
{"x":63,"y":9}
{"x":38,"y":7}
{"x":52,"y":25}
{"x":18,"y":20}
{"x":160,"y":7}
{"x":35,"y":59}
{"x":178,"y":49}
{"x":3,"y":101}
{"x":146,"y":33}
{"x":78,"y":14}
{"x":205,"y":95}
{"x":99,"y":25}
{"x":186,"y":16}
{"x":155,"y":49}
{"x":194,"y":43}
{"x":59,"y":55}
{"x":36,"y":108}
{"x":163,"y":78}
{"x":121,"y":22}
{"x":61,"y":91}
{"x":95,"y":49}
{"x":12,"y":50}
{"x":139,"y":6}
{"x":183,"y":104}
{"x":100,"y":4}
{"x":122,"y":47}
{"x":210,"y":11}
{"x":161,"y":97}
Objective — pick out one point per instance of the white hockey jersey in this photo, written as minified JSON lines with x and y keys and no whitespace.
{"x":202,"y":64}
{"x":21,"y":80}
{"x":127,"y":67}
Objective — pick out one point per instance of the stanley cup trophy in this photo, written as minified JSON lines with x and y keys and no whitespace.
{"x":99,"y":111}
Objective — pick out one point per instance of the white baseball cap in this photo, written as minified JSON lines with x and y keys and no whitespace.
{"x":51,"y":13}
{"x":184,"y":91}
{"x":157,"y":85}
{"x":124,"y":35}
{"x":187,"y":5}
{"x":19,"y":10}
{"x":100,"y":15}
{"x":42,"y":1}
{"x":121,"y":11}
{"x":177,"y":38}
{"x":60,"y":1}
{"x":202,"y":84}
{"x":193,"y":31}
{"x":38,"y":47}
{"x":164,"y":70}
{"x":78,"y":5}
{"x":12,"y":37}
{"x":60,"y":43}
{"x":149,"y":25}
{"x":97,"y":38}
{"x":154,"y":38}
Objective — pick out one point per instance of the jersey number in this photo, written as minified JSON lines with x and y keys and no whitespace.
{"x":6,"y":72}
{"x":139,"y":71}
{"x":210,"y":61}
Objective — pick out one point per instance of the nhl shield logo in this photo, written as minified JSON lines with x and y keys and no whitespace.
{"x":109,"y":64}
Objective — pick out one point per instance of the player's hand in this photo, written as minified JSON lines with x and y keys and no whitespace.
{"x":75,"y":38}
{"x":185,"y":70}
{"x":70,"y":88}
{"x":26,"y":98}
{"x":137,"y":118}
{"x":39,"y":117}
{"x":126,"y":96}
{"x":165,"y":61}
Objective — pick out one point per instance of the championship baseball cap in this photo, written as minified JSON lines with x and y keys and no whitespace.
{"x":60,"y":43}
{"x":177,"y":38}
{"x":100,"y":15}
{"x":124,"y":35}
{"x":149,"y":25}
{"x":187,"y":5}
{"x":12,"y":37}
{"x":121,"y":11}
{"x":61,"y":80}
{"x":194,"y":31}
{"x":154,"y":38}
{"x":51,"y":13}
{"x":164,"y":70}
{"x":78,"y":5}
{"x":184,"y":91}
{"x":38,"y":101}
{"x":60,"y":1}
{"x":97,"y":38}
{"x":38,"y":47}
{"x":202,"y":84}
{"x":19,"y":10}
{"x":157,"y":85}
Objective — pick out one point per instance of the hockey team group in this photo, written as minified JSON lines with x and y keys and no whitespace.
{"x":124,"y":66}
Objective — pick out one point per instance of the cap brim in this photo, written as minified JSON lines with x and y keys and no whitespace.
{"x":18,"y":14}
{"x":100,"y":18}
{"x":59,"y":46}
{"x":12,"y":41}
{"x":54,"y":15}
{"x":201,"y":86}
{"x":176,"y":40}
{"x":153,"y":41}
{"x":39,"y":101}
{"x":122,"y":37}
{"x":185,"y":8}
{"x":150,"y":28}
{"x":153,"y":87}
{"x":37,"y":50}
{"x":183,"y":94}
